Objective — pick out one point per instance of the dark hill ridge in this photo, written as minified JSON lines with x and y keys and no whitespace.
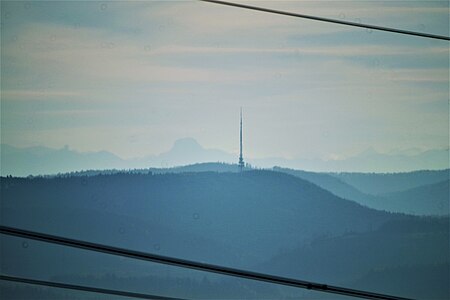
{"x":255,"y":213}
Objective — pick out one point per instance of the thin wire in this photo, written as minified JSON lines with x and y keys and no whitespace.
{"x":193,"y":265}
{"x":373,"y":27}
{"x":83,"y":288}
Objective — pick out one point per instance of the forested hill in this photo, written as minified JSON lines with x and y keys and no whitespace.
{"x":244,"y":220}
{"x":255,"y":213}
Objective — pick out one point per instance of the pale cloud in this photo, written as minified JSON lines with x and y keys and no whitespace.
{"x":92,"y":54}
{"x":421,"y":75}
{"x":86,"y":54}
{"x":37,"y":94}
{"x":329,"y":51}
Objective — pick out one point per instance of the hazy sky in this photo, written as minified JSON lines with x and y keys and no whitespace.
{"x":132,"y":77}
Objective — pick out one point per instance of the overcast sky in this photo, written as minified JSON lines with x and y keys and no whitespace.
{"x":132,"y":77}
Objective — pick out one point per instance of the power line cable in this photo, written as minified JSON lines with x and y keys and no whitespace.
{"x":83,"y":288}
{"x":328,"y":20}
{"x":194,"y":265}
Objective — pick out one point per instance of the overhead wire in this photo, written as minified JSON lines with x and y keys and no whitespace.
{"x":83,"y":288}
{"x":329,"y":20}
{"x":11,"y":231}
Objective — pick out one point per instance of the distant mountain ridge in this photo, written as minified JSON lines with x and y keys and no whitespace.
{"x":42,"y":160}
{"x":46,"y":161}
{"x":187,"y":151}
{"x":368,"y":161}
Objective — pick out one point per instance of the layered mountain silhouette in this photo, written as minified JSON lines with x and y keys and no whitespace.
{"x":376,"y":184}
{"x":218,"y":206}
{"x":368,"y":161}
{"x":417,"y":193}
{"x":43,"y":160}
{"x":431,"y":199}
{"x":188,"y":151}
{"x":257,"y":220}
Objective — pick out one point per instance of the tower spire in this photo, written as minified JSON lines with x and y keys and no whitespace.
{"x":241,"y":159}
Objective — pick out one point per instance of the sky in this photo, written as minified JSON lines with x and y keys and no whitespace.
{"x":133,"y":77}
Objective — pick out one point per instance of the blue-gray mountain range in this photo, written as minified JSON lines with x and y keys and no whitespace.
{"x":260,"y":220}
{"x":43,"y":160}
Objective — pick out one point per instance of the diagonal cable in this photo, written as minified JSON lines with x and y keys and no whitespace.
{"x":328,"y":20}
{"x":194,"y":265}
{"x":83,"y":288}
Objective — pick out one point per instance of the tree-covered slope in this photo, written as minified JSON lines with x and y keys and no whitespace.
{"x":382,"y":183}
{"x":422,"y":199}
{"x":255,"y":213}
{"x":276,"y":222}
{"x":384,"y":260}
{"x":431,"y":199}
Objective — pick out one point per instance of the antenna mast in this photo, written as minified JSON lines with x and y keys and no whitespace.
{"x":241,"y":159}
